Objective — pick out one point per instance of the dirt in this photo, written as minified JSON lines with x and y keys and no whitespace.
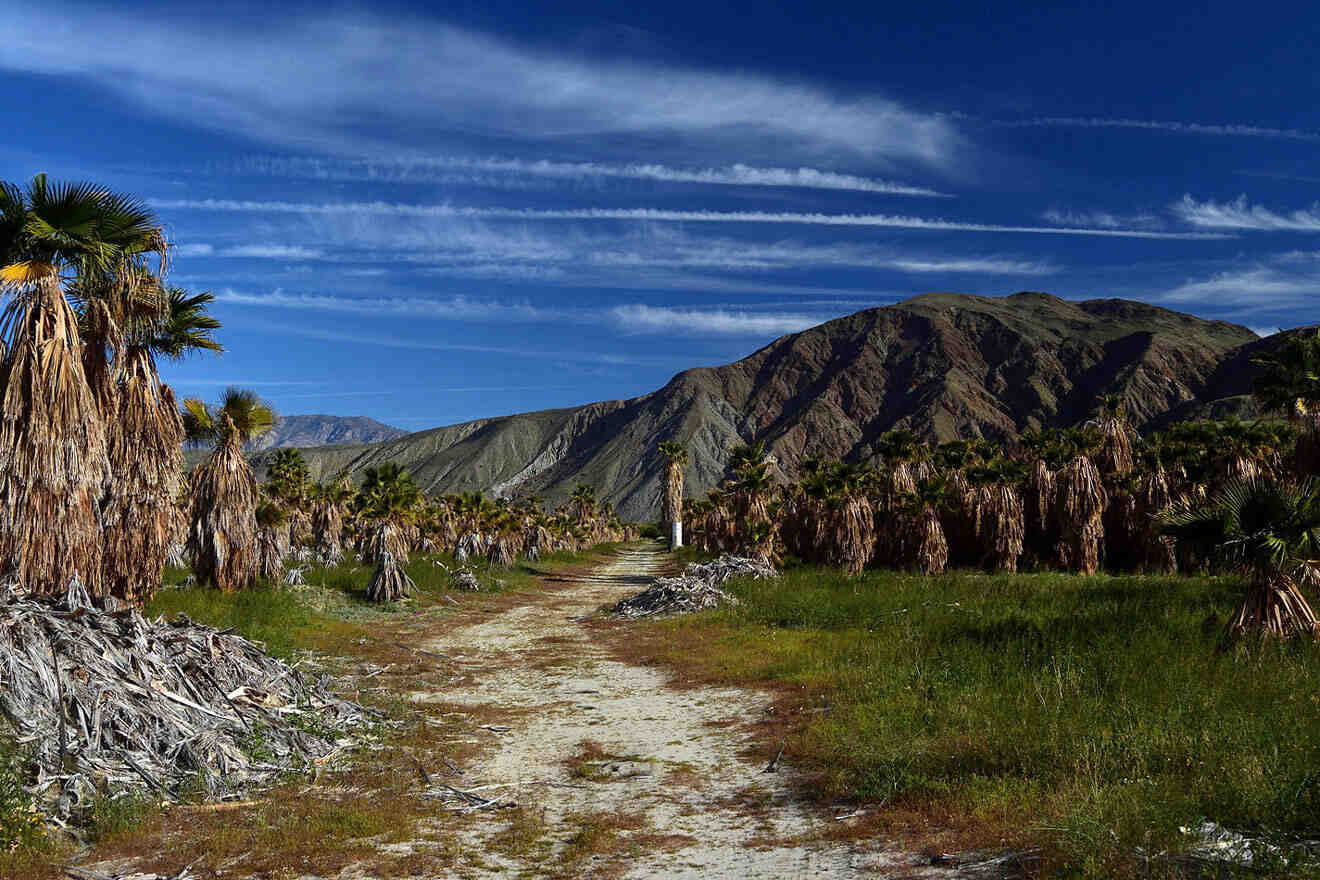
{"x":608,"y":738}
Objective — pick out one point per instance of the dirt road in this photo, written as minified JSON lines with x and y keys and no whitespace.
{"x":605,"y":750}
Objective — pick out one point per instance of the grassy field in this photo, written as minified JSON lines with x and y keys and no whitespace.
{"x":1092,"y":716}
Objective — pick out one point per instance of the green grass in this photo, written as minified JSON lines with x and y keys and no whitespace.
{"x":1099,"y":711}
{"x":289,"y":620}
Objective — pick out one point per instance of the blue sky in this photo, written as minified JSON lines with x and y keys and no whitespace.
{"x":428,"y":214}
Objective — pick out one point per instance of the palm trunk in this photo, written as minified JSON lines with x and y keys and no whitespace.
{"x":53,"y":460}
{"x":223,"y":533}
{"x":1274,"y":606}
{"x":146,"y":461}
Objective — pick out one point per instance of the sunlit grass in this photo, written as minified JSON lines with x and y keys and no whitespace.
{"x":1051,"y":702}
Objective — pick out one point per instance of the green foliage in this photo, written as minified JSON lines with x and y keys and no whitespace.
{"x":1290,"y":378}
{"x":248,"y":414}
{"x":1051,"y":701}
{"x":21,"y":826}
{"x":1259,"y":525}
{"x":388,"y":493}
{"x":261,"y":613}
{"x":287,"y":476}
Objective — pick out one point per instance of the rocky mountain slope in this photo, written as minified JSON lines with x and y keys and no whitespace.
{"x":319,"y":430}
{"x":941,"y":365}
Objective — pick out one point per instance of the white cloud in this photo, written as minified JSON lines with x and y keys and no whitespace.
{"x":453,"y":308}
{"x":249,"y":251}
{"x":975,"y":265}
{"x":1256,"y":131}
{"x":1278,"y":286}
{"x":485,"y":172}
{"x":314,"y":78}
{"x":1102,"y":219}
{"x":1238,"y":214}
{"x":271,"y":252}
{"x":652,"y":319}
{"x":637,"y":318}
{"x":889,"y":221}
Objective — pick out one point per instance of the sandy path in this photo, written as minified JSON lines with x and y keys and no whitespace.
{"x":667,"y":759}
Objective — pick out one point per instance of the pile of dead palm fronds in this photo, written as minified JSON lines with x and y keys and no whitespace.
{"x":696,"y":589}
{"x":107,"y":702}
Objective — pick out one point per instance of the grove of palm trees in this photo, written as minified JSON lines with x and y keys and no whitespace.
{"x":1196,"y":497}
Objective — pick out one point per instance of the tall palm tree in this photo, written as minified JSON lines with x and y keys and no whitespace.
{"x":1269,"y":531}
{"x":222,"y":532}
{"x":676,"y":458}
{"x":145,"y":438}
{"x":53,"y":459}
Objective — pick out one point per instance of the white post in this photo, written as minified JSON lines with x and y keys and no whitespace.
{"x":676,"y":535}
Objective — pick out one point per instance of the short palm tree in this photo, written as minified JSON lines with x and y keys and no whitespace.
{"x":388,"y":500}
{"x":676,"y":458}
{"x":53,"y":460}
{"x":272,"y":523}
{"x":1270,"y":532}
{"x":222,"y":532}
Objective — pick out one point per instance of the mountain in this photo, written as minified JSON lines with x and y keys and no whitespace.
{"x":318,"y":430}
{"x":942,"y":365}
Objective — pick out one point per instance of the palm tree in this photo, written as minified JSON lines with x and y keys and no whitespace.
{"x":1289,"y":382}
{"x":1117,"y":437}
{"x":1079,"y":506}
{"x":676,"y":458}
{"x":1269,"y":531}
{"x":222,"y":532}
{"x":328,"y":518}
{"x":53,"y":459}
{"x":145,"y":439}
{"x":925,"y":541}
{"x":388,"y":499}
{"x":583,"y":502}
{"x":272,"y":520}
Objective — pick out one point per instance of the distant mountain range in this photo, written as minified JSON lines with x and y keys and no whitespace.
{"x":319,"y":430}
{"x":941,"y":365}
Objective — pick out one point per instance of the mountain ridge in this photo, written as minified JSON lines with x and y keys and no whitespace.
{"x":316,"y":429}
{"x":941,"y":364}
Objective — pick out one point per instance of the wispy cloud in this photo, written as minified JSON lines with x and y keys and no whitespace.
{"x":450,"y":308}
{"x":638,"y":318}
{"x":1101,"y":219}
{"x":250,"y":251}
{"x":974,"y":266}
{"x":653,"y":319}
{"x":216,"y":71}
{"x":1218,"y":130}
{"x":1277,"y":286}
{"x":398,"y":341}
{"x":1238,"y":214}
{"x":890,"y":221}
{"x":478,"y":171}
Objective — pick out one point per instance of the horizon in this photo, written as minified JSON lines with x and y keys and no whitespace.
{"x":429,"y":218}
